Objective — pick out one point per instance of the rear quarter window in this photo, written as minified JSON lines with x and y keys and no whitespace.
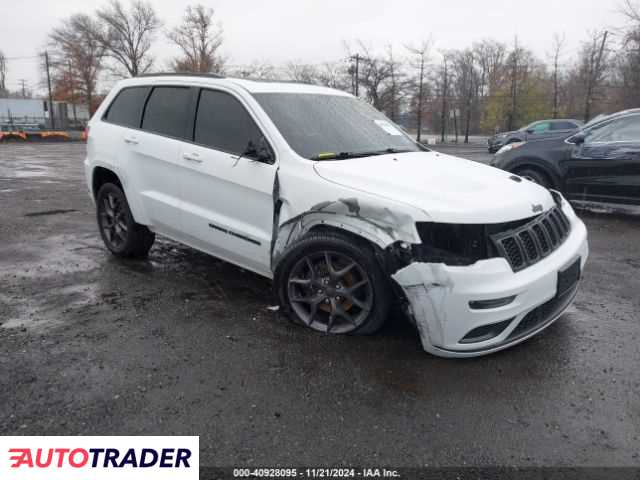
{"x":563,"y":126}
{"x":126,"y":108}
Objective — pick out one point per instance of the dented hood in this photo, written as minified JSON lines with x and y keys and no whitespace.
{"x":448,"y":189}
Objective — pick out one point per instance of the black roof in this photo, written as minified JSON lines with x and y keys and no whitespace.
{"x":186,"y":74}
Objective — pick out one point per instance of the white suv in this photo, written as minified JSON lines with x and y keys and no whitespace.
{"x":321,"y":192}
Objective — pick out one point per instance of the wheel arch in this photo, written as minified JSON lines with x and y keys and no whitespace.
{"x":368,"y":225}
{"x":102,"y":175}
{"x":538,"y":165}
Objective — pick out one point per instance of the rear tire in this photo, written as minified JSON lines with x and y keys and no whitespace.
{"x":536,"y":176}
{"x":333,"y":284}
{"x":119,"y":231}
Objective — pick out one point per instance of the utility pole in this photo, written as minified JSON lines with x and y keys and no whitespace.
{"x":420,"y":99}
{"x":51,"y":115}
{"x":594,"y":72}
{"x":443,"y":114}
{"x":357,"y":58}
{"x":24,"y":88}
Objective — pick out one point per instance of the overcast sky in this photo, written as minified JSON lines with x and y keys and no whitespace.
{"x":315,"y":31}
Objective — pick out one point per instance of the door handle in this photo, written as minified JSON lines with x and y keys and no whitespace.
{"x":131,"y":140}
{"x":192,"y":157}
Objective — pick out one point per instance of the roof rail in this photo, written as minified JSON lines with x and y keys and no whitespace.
{"x":177,"y":74}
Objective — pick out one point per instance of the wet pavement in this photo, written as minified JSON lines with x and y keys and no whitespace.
{"x":184,"y":344}
{"x":474,"y":151}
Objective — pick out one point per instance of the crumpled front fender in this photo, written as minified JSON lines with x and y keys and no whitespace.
{"x":378,"y":224}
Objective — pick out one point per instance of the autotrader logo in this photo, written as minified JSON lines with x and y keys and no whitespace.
{"x":100,"y":458}
{"x":104,"y":457}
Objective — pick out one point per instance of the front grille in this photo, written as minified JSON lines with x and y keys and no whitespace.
{"x":542,"y":314}
{"x":531,"y":242}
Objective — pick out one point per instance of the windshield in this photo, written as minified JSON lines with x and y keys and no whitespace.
{"x":330,"y":127}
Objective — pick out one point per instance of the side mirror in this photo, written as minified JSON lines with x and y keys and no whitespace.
{"x":530,"y":131}
{"x":262,"y":153}
{"x":577,"y":139}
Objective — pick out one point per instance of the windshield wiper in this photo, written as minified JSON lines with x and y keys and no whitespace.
{"x":345,"y":155}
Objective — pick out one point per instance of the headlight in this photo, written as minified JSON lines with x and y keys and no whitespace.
{"x":509,"y":146}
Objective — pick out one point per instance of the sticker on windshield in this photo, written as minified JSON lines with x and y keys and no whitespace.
{"x":387,"y":127}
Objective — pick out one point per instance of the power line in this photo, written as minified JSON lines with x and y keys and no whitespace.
{"x":22,"y":58}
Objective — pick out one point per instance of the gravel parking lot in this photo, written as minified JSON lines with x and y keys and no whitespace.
{"x":184,"y":344}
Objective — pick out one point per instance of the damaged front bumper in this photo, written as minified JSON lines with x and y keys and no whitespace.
{"x":441,"y":298}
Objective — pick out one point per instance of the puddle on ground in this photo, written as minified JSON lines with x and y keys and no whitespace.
{"x":48,"y":308}
{"x":55,"y":255}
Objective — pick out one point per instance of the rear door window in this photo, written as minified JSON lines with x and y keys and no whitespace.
{"x":166,"y":111}
{"x":126,"y":108}
{"x":563,"y":125}
{"x":223,"y":123}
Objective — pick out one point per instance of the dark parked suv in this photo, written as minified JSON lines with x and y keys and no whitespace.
{"x":599,"y":163}
{"x":534,"y":131}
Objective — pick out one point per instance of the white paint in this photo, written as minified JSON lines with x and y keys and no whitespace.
{"x":439,"y":295}
{"x":181,"y":199}
{"x":446,"y":188}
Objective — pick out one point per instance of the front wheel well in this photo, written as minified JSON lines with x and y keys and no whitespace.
{"x":385,"y":257}
{"x":553,"y":181}
{"x":101,"y":176}
{"x":358,"y":239}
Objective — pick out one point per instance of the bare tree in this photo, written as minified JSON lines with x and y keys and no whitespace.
{"x":631,"y":10}
{"x":466,"y":80}
{"x":514,"y":65}
{"x":199,"y":39}
{"x":301,"y":72}
{"x":444,"y":93}
{"x":419,"y":62}
{"x":594,"y":66}
{"x":81,"y":54}
{"x":334,"y":75}
{"x":558,"y":45}
{"x":3,"y":74}
{"x":372,"y":74}
{"x":126,"y":35}
{"x":394,"y":91}
{"x":628,"y":57}
{"x":260,"y":70}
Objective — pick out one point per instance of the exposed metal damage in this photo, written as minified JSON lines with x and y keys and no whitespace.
{"x":379,"y":225}
{"x":426,"y":286}
{"x":463,"y":294}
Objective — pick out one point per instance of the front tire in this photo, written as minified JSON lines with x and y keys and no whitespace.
{"x":536,"y":176}
{"x":332,"y":284}
{"x":119,"y":231}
